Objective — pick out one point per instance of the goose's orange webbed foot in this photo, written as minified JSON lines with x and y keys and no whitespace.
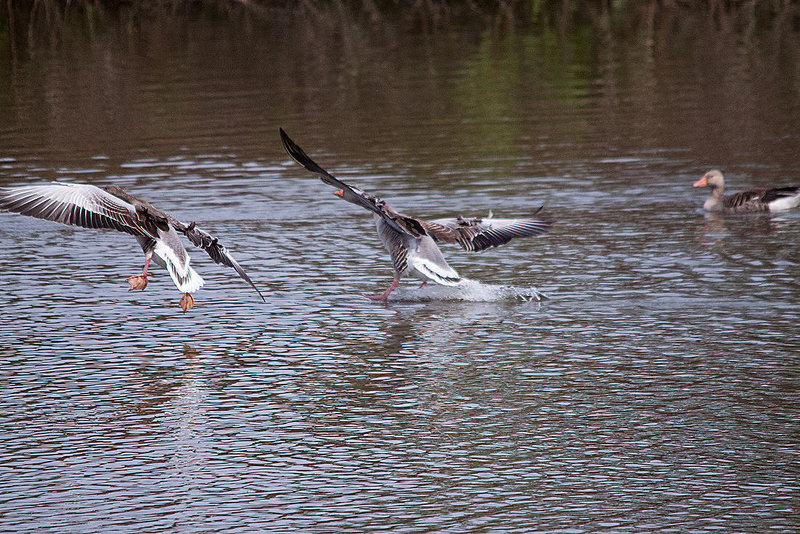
{"x":140,"y":280}
{"x":186,"y":302}
{"x":137,"y":282}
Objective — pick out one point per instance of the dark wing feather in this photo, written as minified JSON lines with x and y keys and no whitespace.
{"x":74,"y":204}
{"x":397,"y":247}
{"x":779,"y":192}
{"x":449,"y":231}
{"x":743,"y":197}
{"x":399,"y":256}
{"x":475,"y":234}
{"x":354,"y":195}
{"x":212,"y":246}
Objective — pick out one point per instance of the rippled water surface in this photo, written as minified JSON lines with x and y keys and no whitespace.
{"x":654,"y":388}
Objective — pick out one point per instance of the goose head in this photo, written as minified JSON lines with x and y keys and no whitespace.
{"x":356,"y":196}
{"x":712,"y":179}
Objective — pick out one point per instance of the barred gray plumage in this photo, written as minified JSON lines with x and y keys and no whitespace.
{"x":411,"y":242}
{"x":113,"y":208}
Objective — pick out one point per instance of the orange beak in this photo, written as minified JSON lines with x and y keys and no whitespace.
{"x":339,"y":193}
{"x":701,"y":182}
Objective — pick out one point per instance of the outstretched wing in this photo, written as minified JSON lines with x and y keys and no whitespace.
{"x":212,"y":246}
{"x":75,"y":204}
{"x":476,"y":234}
{"x":398,"y":221}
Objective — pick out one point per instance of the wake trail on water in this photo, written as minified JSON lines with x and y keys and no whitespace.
{"x":468,"y":291}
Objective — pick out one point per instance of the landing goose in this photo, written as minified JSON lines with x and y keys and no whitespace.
{"x":749,"y":201}
{"x":112,"y":208}
{"x":411,"y":242}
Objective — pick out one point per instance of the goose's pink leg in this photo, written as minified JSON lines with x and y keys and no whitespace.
{"x":139,"y":281}
{"x":385,"y":294}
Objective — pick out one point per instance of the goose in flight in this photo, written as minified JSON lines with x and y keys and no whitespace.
{"x":112,"y":208}
{"x":411,"y":242}
{"x":749,"y":201}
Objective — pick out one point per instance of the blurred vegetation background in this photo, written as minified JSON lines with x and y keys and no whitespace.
{"x":25,"y":24}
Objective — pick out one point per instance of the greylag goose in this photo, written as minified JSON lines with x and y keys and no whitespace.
{"x":411,"y":242}
{"x":749,"y":201}
{"x":113,"y":208}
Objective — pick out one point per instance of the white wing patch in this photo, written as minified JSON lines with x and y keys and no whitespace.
{"x":785,"y":203}
{"x":499,"y":223}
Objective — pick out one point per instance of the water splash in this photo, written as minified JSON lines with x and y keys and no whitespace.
{"x":468,"y":290}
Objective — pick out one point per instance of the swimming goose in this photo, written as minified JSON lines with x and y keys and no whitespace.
{"x":750,"y":201}
{"x":411,"y":242}
{"x":113,"y":208}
